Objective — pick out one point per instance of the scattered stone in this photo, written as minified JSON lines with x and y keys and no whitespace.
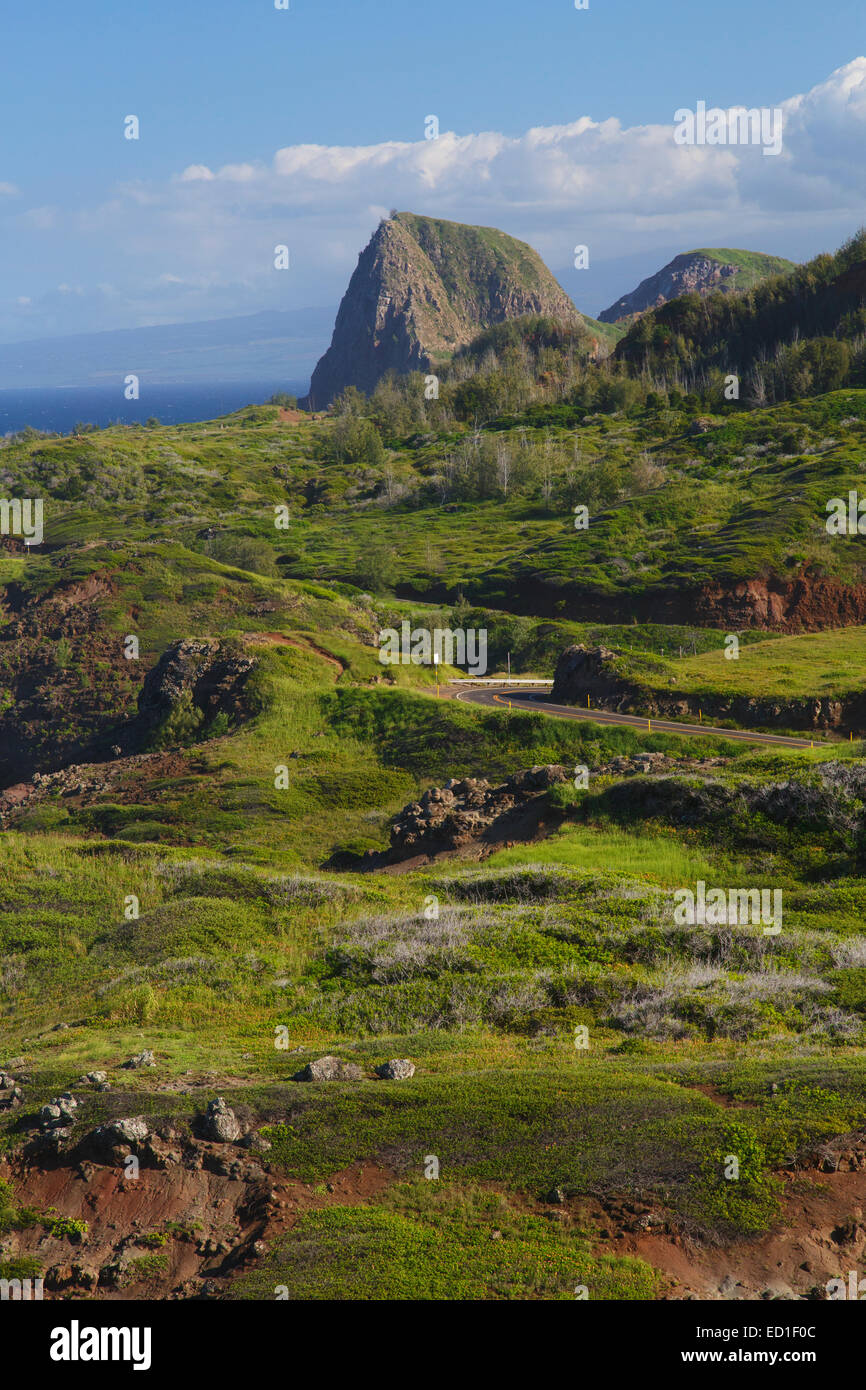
{"x":329,"y":1069}
{"x":398,"y":1069}
{"x":556,"y":1195}
{"x":95,"y":1078}
{"x":256,"y":1140}
{"x":648,"y":1220}
{"x":59,"y":1111}
{"x":11,"y":1094}
{"x":141,"y":1059}
{"x":221,"y":1123}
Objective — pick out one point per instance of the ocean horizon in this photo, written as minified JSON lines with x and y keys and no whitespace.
{"x":58,"y":409}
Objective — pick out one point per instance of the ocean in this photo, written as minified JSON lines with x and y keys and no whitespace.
{"x":58,"y":409}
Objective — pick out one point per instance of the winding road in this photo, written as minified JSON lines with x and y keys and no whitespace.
{"x":521,"y":697}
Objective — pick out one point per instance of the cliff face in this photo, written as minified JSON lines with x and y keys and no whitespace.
{"x":423,"y":288}
{"x":696,"y":272}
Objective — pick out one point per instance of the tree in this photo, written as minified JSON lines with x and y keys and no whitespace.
{"x":376,"y":567}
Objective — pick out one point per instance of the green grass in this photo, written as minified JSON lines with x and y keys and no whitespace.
{"x":436,"y":1241}
{"x":808,"y":666}
{"x":661,"y":858}
{"x":243,"y":931}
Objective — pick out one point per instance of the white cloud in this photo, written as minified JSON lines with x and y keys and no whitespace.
{"x":590,"y":181}
{"x":196,"y":173}
{"x":620,"y":190}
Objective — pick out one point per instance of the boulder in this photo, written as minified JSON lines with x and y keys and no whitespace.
{"x":221,"y":1123}
{"x":130,"y":1131}
{"x":398,"y":1069}
{"x":329,"y":1069}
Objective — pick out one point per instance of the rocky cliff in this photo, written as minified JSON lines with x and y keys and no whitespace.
{"x":423,"y":288}
{"x":696,"y":272}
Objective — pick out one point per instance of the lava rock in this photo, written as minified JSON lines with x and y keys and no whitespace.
{"x":398,"y":1069}
{"x":141,"y":1059}
{"x":221,"y":1123}
{"x":131,"y":1130}
{"x":258,"y":1142}
{"x":329,"y":1069}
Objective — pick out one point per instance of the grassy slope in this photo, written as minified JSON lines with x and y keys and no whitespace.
{"x":746,"y":498}
{"x":241,"y":930}
{"x":811,"y":665}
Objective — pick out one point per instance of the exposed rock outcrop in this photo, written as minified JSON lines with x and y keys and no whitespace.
{"x":462,"y":812}
{"x":805,"y":603}
{"x":207,"y":674}
{"x":46,"y":640}
{"x":423,"y":288}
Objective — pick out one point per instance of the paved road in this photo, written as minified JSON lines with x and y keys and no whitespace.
{"x":521,"y":698}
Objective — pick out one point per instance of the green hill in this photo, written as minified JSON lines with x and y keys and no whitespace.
{"x":788,"y":336}
{"x":706,"y":271}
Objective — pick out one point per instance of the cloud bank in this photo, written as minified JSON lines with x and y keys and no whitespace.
{"x":202,"y":243}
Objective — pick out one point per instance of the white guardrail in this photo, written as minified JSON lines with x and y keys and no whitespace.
{"x":497,"y":680}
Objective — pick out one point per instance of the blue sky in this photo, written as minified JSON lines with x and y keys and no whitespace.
{"x":97,"y":231}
